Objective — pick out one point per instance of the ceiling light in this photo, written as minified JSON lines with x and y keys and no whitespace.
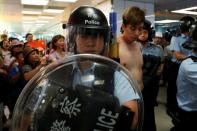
{"x":28,"y":22}
{"x":42,"y":21}
{"x":31,"y":12}
{"x":27,"y":26}
{"x":39,"y":24}
{"x":34,"y":2}
{"x":53,"y":10}
{"x":166,"y":21}
{"x":187,"y":11}
{"x":190,"y":8}
{"x":65,"y":0}
{"x":28,"y":18}
{"x":46,"y":17}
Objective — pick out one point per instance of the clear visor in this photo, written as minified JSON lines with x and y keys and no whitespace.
{"x":92,"y":40}
{"x":81,"y":93}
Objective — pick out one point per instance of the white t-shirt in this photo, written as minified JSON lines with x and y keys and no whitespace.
{"x":55,"y":56}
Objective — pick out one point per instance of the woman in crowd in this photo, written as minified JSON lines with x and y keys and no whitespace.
{"x":5,"y":51}
{"x":32,"y":63}
{"x":58,"y":51}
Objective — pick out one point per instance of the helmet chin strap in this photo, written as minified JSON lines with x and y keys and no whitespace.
{"x":103,"y":51}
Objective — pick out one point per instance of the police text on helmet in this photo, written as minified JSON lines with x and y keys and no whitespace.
{"x":92,"y":22}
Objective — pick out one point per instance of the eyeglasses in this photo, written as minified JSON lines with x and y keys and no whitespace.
{"x":16,"y":46}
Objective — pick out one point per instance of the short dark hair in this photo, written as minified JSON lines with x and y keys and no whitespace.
{"x":1,"y":44}
{"x":28,"y":35}
{"x":194,"y":33}
{"x":12,"y":38}
{"x":184,"y":27}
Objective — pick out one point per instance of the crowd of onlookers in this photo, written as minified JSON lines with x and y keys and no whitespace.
{"x":19,"y":62}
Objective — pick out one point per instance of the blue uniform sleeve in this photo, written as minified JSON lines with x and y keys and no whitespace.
{"x":123,"y":89}
{"x":174,"y":44}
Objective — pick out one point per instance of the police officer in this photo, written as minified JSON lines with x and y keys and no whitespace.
{"x":186,"y":89}
{"x":88,"y":32}
{"x":87,"y":25}
{"x":178,"y":55}
{"x":152,"y":58}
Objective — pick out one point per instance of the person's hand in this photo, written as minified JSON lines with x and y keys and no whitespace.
{"x":43,"y":61}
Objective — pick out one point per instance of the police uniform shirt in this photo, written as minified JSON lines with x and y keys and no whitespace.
{"x":187,"y":85}
{"x":176,"y":45}
{"x":122,"y":87}
{"x":153,"y":56}
{"x":154,"y":50}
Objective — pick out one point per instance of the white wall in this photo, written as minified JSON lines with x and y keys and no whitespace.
{"x":105,"y":7}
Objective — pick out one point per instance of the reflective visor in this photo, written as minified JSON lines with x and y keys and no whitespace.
{"x":95,"y":34}
{"x":92,"y":32}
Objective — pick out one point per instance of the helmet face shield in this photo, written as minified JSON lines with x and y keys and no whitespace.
{"x":87,"y":40}
{"x":92,"y":31}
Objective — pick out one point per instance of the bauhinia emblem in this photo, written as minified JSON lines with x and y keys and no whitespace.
{"x":70,"y":107}
{"x":59,"y":126}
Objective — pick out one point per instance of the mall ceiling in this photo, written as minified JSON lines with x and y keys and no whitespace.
{"x":10,"y":10}
{"x":163,"y":8}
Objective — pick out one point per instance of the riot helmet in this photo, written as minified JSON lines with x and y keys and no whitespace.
{"x":186,"y":23}
{"x":147,"y":27}
{"x":192,"y":44}
{"x":87,"y":22}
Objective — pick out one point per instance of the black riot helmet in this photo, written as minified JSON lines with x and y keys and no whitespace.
{"x":192,"y":44}
{"x":147,"y":27}
{"x":87,"y":21}
{"x":186,"y":23}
